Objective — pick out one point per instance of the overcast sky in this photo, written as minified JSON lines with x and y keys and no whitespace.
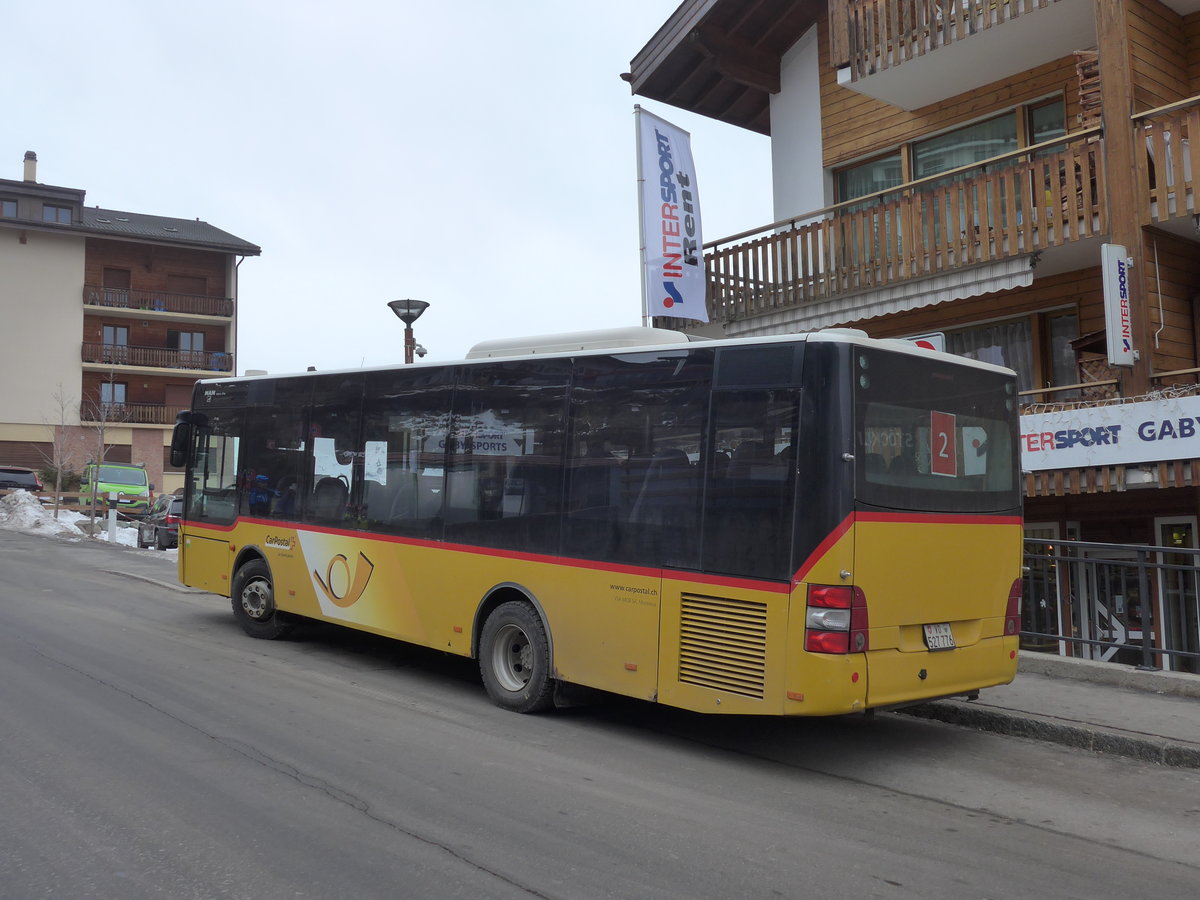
{"x":476,"y":154}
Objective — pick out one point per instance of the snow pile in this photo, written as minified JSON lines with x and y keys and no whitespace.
{"x":21,"y":511}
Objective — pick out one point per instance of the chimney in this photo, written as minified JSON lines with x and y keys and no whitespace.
{"x":30,"y":166}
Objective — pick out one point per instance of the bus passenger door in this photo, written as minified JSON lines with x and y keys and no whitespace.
{"x":204,"y":563}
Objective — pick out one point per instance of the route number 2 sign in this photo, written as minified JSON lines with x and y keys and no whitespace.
{"x":943,"y":444}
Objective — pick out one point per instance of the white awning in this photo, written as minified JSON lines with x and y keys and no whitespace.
{"x":900,"y":296}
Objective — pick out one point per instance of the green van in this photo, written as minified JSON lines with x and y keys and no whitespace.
{"x":123,"y":478}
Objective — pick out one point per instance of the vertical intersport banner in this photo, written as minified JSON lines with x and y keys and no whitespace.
{"x":672,"y":248}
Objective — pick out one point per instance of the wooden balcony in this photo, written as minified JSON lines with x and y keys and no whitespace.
{"x":911,"y":53}
{"x":883,"y":34}
{"x":121,"y":356}
{"x":1018,"y":204}
{"x":157,"y":301}
{"x":129,"y":413}
{"x":1171,"y":161}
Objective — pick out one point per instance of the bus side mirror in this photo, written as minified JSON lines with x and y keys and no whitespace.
{"x":181,"y":437}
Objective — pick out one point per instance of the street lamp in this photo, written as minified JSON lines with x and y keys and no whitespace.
{"x":408,"y":311}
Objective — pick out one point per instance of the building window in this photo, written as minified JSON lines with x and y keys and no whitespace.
{"x":116,"y":343}
{"x":112,"y":393}
{"x":963,"y":146}
{"x":190,"y":345}
{"x":869,"y":177}
{"x":8,"y":209}
{"x":1000,"y":343}
{"x":1061,"y":366}
{"x":1011,"y":344}
{"x":59,"y":214}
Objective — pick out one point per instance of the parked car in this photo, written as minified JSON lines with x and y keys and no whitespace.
{"x":159,"y":528}
{"x":129,"y":481}
{"x":19,"y":477}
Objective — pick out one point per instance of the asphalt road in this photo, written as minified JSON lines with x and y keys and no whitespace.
{"x":149,"y":749}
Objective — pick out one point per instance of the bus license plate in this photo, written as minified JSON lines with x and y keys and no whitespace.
{"x":939,"y":637}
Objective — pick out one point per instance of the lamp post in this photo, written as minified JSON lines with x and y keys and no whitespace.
{"x":408,"y":311}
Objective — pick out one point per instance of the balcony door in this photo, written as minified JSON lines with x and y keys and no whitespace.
{"x":116,"y":344}
{"x":117,"y":284}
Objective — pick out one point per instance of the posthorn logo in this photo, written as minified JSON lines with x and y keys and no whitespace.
{"x":342,"y":586}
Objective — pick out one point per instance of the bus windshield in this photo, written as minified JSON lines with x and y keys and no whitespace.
{"x":934,"y":437}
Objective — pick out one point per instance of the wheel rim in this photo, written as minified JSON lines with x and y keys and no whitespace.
{"x":512,"y":658}
{"x":256,"y":599}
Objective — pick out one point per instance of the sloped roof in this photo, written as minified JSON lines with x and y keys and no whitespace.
{"x":192,"y":232}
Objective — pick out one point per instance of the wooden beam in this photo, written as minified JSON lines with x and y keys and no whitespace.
{"x":737,"y":59}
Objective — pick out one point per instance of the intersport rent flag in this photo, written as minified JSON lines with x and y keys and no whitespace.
{"x":672,"y":248}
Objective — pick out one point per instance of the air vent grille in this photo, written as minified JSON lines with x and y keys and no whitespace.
{"x":723,"y":644}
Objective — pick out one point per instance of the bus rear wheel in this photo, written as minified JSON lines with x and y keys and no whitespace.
{"x":514,"y":659}
{"x":253,"y":598}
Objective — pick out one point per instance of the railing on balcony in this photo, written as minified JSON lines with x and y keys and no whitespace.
{"x":882,"y":34}
{"x":1012,"y":205}
{"x":1171,"y":138}
{"x":157,"y":301}
{"x":130,"y":413}
{"x":158,"y":357}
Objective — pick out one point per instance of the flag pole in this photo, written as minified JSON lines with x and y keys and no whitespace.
{"x":641,"y":178}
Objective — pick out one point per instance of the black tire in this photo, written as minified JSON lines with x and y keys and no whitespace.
{"x":253,"y":597}
{"x":514,"y":659}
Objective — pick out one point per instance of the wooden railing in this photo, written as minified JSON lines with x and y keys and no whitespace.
{"x":130,"y":413}
{"x":158,"y":357}
{"x":1171,"y":162}
{"x":157,"y":301}
{"x":881,"y":34}
{"x":1012,"y":205}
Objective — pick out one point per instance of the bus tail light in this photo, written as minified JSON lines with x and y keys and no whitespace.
{"x":835,"y":620}
{"x":1012,"y":614}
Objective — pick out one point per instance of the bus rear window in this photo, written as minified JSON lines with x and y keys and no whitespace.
{"x":936,"y":438}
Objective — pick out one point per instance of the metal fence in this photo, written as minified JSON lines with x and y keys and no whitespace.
{"x":1123,"y":603}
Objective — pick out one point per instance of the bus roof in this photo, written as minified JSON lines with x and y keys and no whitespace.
{"x":644,"y":340}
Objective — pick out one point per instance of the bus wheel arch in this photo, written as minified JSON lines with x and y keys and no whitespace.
{"x":252,"y":596}
{"x":514,"y":649}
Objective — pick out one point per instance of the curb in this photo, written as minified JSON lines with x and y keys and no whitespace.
{"x":1175,"y":684}
{"x":1098,"y":740}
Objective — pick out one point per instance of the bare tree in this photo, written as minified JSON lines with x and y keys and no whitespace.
{"x":100,"y":414}
{"x":59,"y":457}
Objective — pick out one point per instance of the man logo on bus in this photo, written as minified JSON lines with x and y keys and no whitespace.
{"x":675,"y":296}
{"x":340,"y":585}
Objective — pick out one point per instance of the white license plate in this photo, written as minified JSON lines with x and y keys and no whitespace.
{"x":939,"y":637}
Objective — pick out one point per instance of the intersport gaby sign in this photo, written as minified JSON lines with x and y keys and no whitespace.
{"x":1149,"y":431}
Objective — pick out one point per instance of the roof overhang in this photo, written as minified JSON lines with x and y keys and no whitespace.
{"x":721,"y":58}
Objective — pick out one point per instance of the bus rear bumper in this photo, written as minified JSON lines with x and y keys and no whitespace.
{"x":901,"y":679}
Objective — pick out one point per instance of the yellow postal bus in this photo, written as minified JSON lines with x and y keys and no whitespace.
{"x":807,"y":524}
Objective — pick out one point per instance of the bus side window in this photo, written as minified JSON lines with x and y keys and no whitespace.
{"x":747,"y":519}
{"x":405,"y":428}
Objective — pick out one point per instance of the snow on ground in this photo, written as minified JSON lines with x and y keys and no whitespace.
{"x":21,"y":511}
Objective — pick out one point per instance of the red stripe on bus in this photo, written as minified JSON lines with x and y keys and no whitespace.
{"x":822,"y":548}
{"x":570,"y":561}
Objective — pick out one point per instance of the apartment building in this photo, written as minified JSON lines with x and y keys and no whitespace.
{"x":110,"y":318}
{"x":953,"y":168}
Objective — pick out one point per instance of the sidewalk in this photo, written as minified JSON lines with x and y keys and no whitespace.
{"x":1104,"y":707}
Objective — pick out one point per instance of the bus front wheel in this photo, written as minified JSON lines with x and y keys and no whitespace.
{"x":514,"y":659}
{"x":253,"y":597}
